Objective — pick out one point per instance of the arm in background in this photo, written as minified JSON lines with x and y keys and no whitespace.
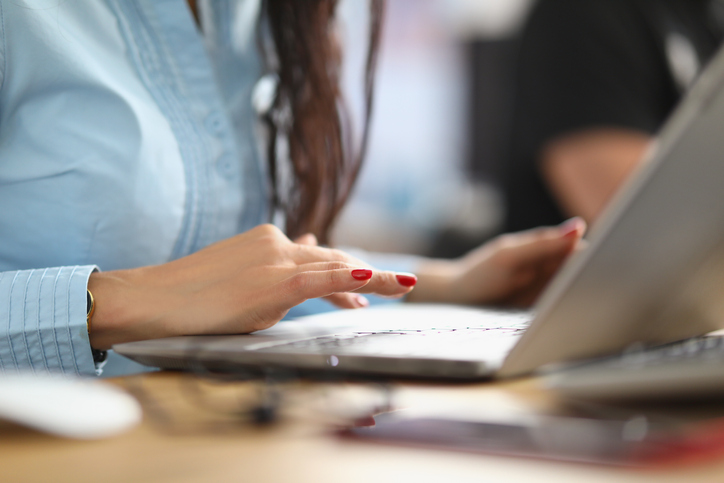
{"x":585,"y":169}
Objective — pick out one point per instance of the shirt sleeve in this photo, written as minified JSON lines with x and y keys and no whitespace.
{"x":589,"y":64}
{"x":43,"y":321}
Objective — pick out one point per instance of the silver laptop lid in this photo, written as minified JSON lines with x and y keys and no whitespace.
{"x":654,"y":269}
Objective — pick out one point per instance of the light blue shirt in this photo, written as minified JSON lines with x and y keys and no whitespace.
{"x":126,"y":139}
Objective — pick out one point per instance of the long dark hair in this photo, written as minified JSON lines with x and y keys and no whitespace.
{"x":309,"y":128}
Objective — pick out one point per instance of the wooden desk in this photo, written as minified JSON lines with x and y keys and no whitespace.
{"x":300,"y":450}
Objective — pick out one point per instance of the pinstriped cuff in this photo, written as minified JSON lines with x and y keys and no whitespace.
{"x":43,"y":321}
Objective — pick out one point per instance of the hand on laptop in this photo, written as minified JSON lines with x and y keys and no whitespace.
{"x":239,"y":285}
{"x":512,"y":269}
{"x":250,"y":281}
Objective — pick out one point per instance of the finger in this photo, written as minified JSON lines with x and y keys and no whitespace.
{"x":573,"y":225}
{"x":543,"y":243}
{"x":348,"y":300}
{"x":315,"y":284}
{"x":307,"y":239}
{"x":389,"y":284}
{"x":532,"y":282}
{"x":386,"y":284}
{"x":323,"y":266}
{"x":302,"y":254}
{"x":573,"y":228}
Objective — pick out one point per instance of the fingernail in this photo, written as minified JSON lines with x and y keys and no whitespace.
{"x":362,"y":274}
{"x":572,"y":227}
{"x":406,"y":280}
{"x":361,"y":301}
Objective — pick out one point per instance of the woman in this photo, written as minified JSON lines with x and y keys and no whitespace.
{"x":128,"y":142}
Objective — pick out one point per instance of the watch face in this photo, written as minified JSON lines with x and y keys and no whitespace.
{"x":99,"y":356}
{"x":90,"y":308}
{"x":89,"y":302}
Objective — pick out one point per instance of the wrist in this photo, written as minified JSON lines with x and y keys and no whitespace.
{"x":119,"y":309}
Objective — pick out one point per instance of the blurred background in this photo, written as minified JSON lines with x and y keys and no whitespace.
{"x":428,"y":186}
{"x":501,"y":115}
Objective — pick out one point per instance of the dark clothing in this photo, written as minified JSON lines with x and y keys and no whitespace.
{"x":596,"y":63}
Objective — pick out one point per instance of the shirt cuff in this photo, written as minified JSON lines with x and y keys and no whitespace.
{"x":43,"y":321}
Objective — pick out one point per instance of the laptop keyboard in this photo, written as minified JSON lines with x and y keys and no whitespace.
{"x":704,"y":348}
{"x":464,"y":343}
{"x":693,"y":368}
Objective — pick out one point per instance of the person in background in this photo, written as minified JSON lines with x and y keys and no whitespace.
{"x":130,"y":135}
{"x":596,"y":79}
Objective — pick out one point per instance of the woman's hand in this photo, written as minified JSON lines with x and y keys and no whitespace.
{"x":509,"y":270}
{"x":243,"y":284}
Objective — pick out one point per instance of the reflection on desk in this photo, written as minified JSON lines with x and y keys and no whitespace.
{"x":210,"y":446}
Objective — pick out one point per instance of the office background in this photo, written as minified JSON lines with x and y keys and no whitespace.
{"x":429,"y":183}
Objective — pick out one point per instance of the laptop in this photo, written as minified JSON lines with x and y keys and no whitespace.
{"x":653,"y":273}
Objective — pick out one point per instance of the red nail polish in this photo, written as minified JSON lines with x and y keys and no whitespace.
{"x":362,"y":274}
{"x":571,"y":233}
{"x":572,"y":227}
{"x":406,"y":280}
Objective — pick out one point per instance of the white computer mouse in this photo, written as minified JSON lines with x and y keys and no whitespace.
{"x":68,"y":407}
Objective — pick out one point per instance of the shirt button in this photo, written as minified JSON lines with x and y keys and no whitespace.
{"x":214,"y":123}
{"x":228,"y":166}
